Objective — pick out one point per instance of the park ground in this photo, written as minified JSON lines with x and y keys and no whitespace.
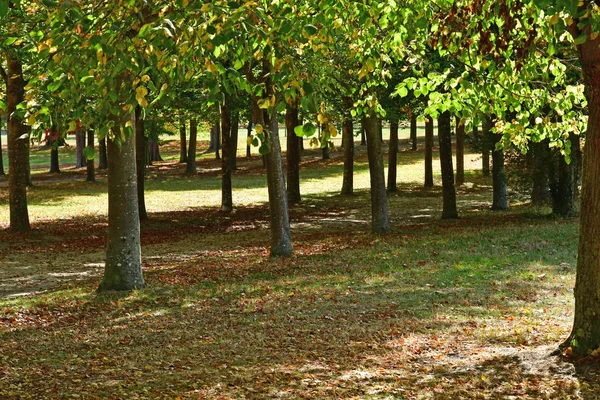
{"x":472,"y":308}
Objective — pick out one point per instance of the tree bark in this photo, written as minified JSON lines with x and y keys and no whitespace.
{"x":348,"y":135}
{"x":460,"y":152}
{"x":235,"y":128}
{"x":123,"y":269}
{"x":218,"y":140}
{"x":413,"y":131}
{"x":91,"y":168}
{"x":102,"y":160}
{"x":379,"y":208}
{"x":18,"y":149}
{"x":429,"y":152}
{"x":393,"y":158}
{"x":499,"y":196}
{"x":182,"y":142}
{"x":80,"y":144}
{"x":281,"y":236}
{"x":292,"y":155}
{"x":140,"y":162}
{"x":54,"y":164}
{"x":153,"y":151}
{"x":190,"y":167}
{"x":249,"y":134}
{"x":540,"y":190}
{"x":363,"y":136}
{"x":448,"y":190}
{"x":485,"y":149}
{"x":1,"y":161}
{"x":226,"y":190}
{"x":561,"y":186}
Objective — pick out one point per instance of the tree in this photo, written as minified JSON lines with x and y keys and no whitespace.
{"x":428,"y":152}
{"x":91,"y":172}
{"x":448,"y":190}
{"x":460,"y":152}
{"x":191,"y":156}
{"x":292,"y":154}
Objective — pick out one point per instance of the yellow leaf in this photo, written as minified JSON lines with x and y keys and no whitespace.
{"x":205,"y":7}
{"x":164,"y":87}
{"x":145,"y":78}
{"x":554,"y":19}
{"x":249,"y":141}
{"x":332,"y":130}
{"x":31,"y":120}
{"x":259,"y":129}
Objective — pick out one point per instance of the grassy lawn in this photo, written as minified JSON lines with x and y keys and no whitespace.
{"x":471,"y":308}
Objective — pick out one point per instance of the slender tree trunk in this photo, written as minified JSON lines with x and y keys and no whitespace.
{"x":18,"y":150}
{"x":226,"y":190}
{"x":249,"y":134}
{"x":218,"y":141}
{"x":448,"y":190}
{"x":540,"y":190}
{"x":235,"y":128}
{"x":281,"y":236}
{"x":102,"y":160}
{"x":413,"y":131}
{"x":123,"y":269}
{"x":80,"y":142}
{"x":393,"y":158}
{"x":348,"y":135}
{"x":91,"y":168}
{"x":292,"y":155}
{"x":54,"y":164}
{"x":1,"y":161}
{"x":191,"y":157}
{"x":28,"y":180}
{"x":182,"y":142}
{"x":585,"y":336}
{"x":363,"y":136}
{"x":141,"y":144}
{"x":499,"y":197}
{"x":429,"y":152}
{"x":153,"y":152}
{"x":460,"y":152}
{"x":325,"y":151}
{"x":379,"y":208}
{"x":485,"y":148}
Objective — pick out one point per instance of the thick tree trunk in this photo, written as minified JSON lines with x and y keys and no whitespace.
{"x":182,"y":142}
{"x":292,"y":155}
{"x":429,"y":152}
{"x":448,"y":190}
{"x":561,"y":186}
{"x":18,"y":149}
{"x":540,"y":190}
{"x":348,"y":135}
{"x":235,"y":128}
{"x":585,"y":336}
{"x":140,"y":163}
{"x":102,"y":160}
{"x":393,"y":158}
{"x":153,"y":152}
{"x":413,"y":131}
{"x":499,"y":196}
{"x":460,"y":152}
{"x":226,"y":190}
{"x":575,"y":162}
{"x":123,"y":269}
{"x":379,"y":208}
{"x":80,"y":145}
{"x":190,"y":167}
{"x":54,"y":164}
{"x":91,"y":168}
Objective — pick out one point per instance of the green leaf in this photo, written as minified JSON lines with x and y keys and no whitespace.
{"x":89,"y":153}
{"x":311,"y":30}
{"x":263,"y":149}
{"x":402,"y":91}
{"x":581,"y":39}
{"x":309,"y":129}
{"x":3,"y":8}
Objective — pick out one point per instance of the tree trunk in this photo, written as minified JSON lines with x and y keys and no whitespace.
{"x":460,"y":152}
{"x":393,"y":158}
{"x":540,"y":190}
{"x":54,"y":165}
{"x":429,"y":152}
{"x":499,"y":196}
{"x":91,"y":170}
{"x":348,"y":135}
{"x":379,"y":208}
{"x":561,"y":186}
{"x":182,"y":141}
{"x":363,"y":136}
{"x":218,"y":140}
{"x":226,"y":191}
{"x":485,"y":148}
{"x":292,"y":155}
{"x":249,"y":134}
{"x":123,"y":269}
{"x":80,"y":143}
{"x":585,"y":336}
{"x":235,"y":128}
{"x":281,"y":236}
{"x":140,"y":163}
{"x":413,"y":131}
{"x":575,"y":162}
{"x":190,"y":167}
{"x":1,"y":161}
{"x":448,"y":189}
{"x":153,"y":152}
{"x":18,"y":150}
{"x":102,"y":160}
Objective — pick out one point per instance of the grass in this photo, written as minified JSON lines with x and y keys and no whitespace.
{"x":436,"y":309}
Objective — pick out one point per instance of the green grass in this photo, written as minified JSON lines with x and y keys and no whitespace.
{"x":435,"y":309}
